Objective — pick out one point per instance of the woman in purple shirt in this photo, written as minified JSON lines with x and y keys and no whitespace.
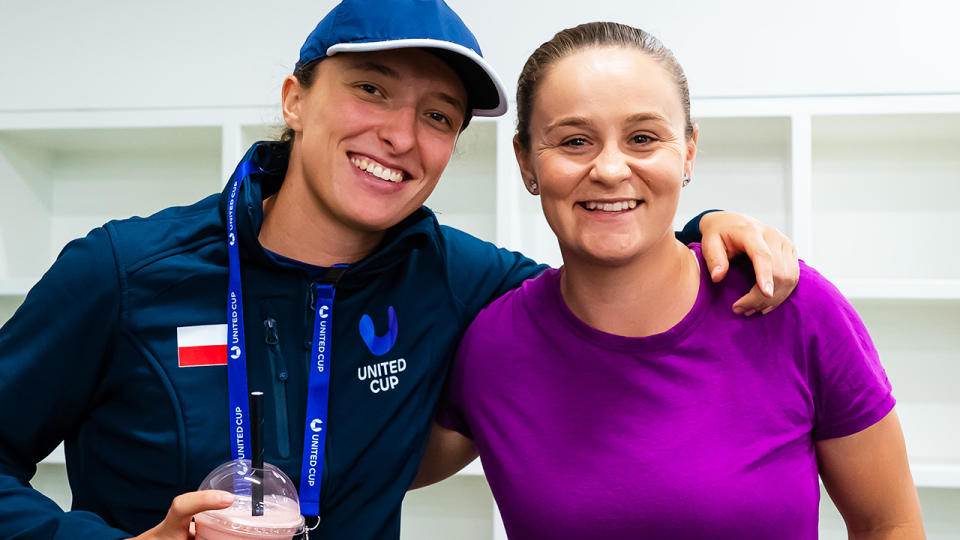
{"x":618,"y":397}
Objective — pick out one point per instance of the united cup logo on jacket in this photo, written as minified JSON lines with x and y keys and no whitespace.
{"x":382,"y":376}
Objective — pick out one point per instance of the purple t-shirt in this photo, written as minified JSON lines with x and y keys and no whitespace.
{"x":704,"y":431}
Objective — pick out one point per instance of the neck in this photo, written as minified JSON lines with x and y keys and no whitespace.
{"x":646,"y":296}
{"x":299,"y":227}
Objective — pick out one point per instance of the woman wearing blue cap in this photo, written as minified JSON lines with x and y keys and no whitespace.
{"x":344,"y":300}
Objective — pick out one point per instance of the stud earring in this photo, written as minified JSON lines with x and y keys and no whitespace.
{"x":686,"y":180}
{"x":533,"y":188}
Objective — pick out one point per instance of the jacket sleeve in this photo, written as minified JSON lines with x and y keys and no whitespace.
{"x":691,"y":231}
{"x":479,"y":272}
{"x":52,"y":352}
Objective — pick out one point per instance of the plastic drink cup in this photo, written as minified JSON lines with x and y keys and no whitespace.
{"x":281,"y":519}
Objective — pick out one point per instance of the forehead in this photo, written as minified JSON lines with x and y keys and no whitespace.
{"x":608,"y":81}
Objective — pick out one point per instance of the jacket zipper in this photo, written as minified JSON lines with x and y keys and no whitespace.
{"x":279,"y":374}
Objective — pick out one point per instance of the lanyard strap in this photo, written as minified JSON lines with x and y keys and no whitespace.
{"x":236,"y":345}
{"x":315,"y":428}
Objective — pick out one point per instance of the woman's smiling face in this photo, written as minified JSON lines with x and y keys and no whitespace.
{"x":608,"y":151}
{"x":375,"y":131}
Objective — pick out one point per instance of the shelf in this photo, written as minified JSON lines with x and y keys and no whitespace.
{"x":884,"y":192}
{"x":737,"y":157}
{"x":465,"y":196}
{"x":928,"y":474}
{"x":900,"y":289}
{"x":58,"y":184}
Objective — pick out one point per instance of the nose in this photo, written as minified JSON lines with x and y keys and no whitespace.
{"x":610,"y":166}
{"x":399,"y":130}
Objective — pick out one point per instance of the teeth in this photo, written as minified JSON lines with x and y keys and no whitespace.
{"x":377,"y":170}
{"x":611,"y":207}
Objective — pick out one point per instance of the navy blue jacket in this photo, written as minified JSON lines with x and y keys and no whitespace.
{"x":90,"y":358}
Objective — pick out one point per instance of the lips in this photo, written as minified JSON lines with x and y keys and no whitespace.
{"x":381,"y":171}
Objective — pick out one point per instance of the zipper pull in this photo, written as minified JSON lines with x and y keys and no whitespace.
{"x":312,"y":295}
{"x":271,"y":337}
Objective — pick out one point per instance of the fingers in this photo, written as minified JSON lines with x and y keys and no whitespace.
{"x":762,"y":258}
{"x":176,"y":526}
{"x":787,"y":273}
{"x":750,"y":303}
{"x":756,"y":301}
{"x":715,"y":255}
{"x":185,"y":506}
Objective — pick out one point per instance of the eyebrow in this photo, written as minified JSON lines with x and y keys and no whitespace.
{"x":447,"y":98}
{"x":583,"y":121}
{"x":375,"y":67}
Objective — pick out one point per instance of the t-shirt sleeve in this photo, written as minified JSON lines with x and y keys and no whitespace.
{"x":480,"y":272}
{"x":850,"y":387}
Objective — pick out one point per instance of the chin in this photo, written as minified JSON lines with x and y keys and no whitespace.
{"x":607,"y":254}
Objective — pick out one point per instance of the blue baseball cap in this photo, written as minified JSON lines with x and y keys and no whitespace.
{"x":378,"y":25}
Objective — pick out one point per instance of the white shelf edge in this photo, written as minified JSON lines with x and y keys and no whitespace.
{"x":135,"y":118}
{"x":760,"y":106}
{"x":16,"y":286}
{"x":935,"y":475}
{"x":801,"y":183}
{"x":900,"y":289}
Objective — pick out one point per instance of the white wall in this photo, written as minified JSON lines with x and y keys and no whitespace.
{"x":183,"y":53}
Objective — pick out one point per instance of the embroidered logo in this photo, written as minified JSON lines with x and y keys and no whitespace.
{"x":379,"y":345}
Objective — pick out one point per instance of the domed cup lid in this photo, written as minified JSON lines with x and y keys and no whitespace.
{"x":281,"y":511}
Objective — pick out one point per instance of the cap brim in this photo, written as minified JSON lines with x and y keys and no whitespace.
{"x":485,"y":91}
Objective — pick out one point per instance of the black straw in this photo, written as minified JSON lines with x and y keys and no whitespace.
{"x":256,"y":440}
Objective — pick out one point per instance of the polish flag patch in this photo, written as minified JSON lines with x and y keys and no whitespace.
{"x":204,"y":345}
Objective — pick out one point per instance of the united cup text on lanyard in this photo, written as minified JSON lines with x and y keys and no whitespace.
{"x":315,"y":429}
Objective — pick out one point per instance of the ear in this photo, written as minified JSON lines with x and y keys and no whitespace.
{"x":291,"y":102}
{"x":691,"y":156}
{"x":523,"y":160}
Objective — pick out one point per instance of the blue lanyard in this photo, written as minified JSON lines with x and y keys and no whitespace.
{"x":315,"y":429}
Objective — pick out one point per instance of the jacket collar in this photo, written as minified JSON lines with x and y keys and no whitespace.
{"x":269,"y":159}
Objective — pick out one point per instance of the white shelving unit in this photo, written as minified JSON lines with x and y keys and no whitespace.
{"x":866,"y":185}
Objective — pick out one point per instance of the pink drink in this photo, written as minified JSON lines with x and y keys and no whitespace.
{"x":281,"y":520}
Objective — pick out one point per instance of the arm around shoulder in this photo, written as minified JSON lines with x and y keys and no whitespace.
{"x":447,"y":452}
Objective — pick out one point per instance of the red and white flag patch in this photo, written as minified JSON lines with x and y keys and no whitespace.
{"x":204,"y":345}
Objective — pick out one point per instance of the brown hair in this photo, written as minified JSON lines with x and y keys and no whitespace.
{"x":594,"y":34}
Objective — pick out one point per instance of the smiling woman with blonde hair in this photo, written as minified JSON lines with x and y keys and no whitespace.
{"x":618,"y":397}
